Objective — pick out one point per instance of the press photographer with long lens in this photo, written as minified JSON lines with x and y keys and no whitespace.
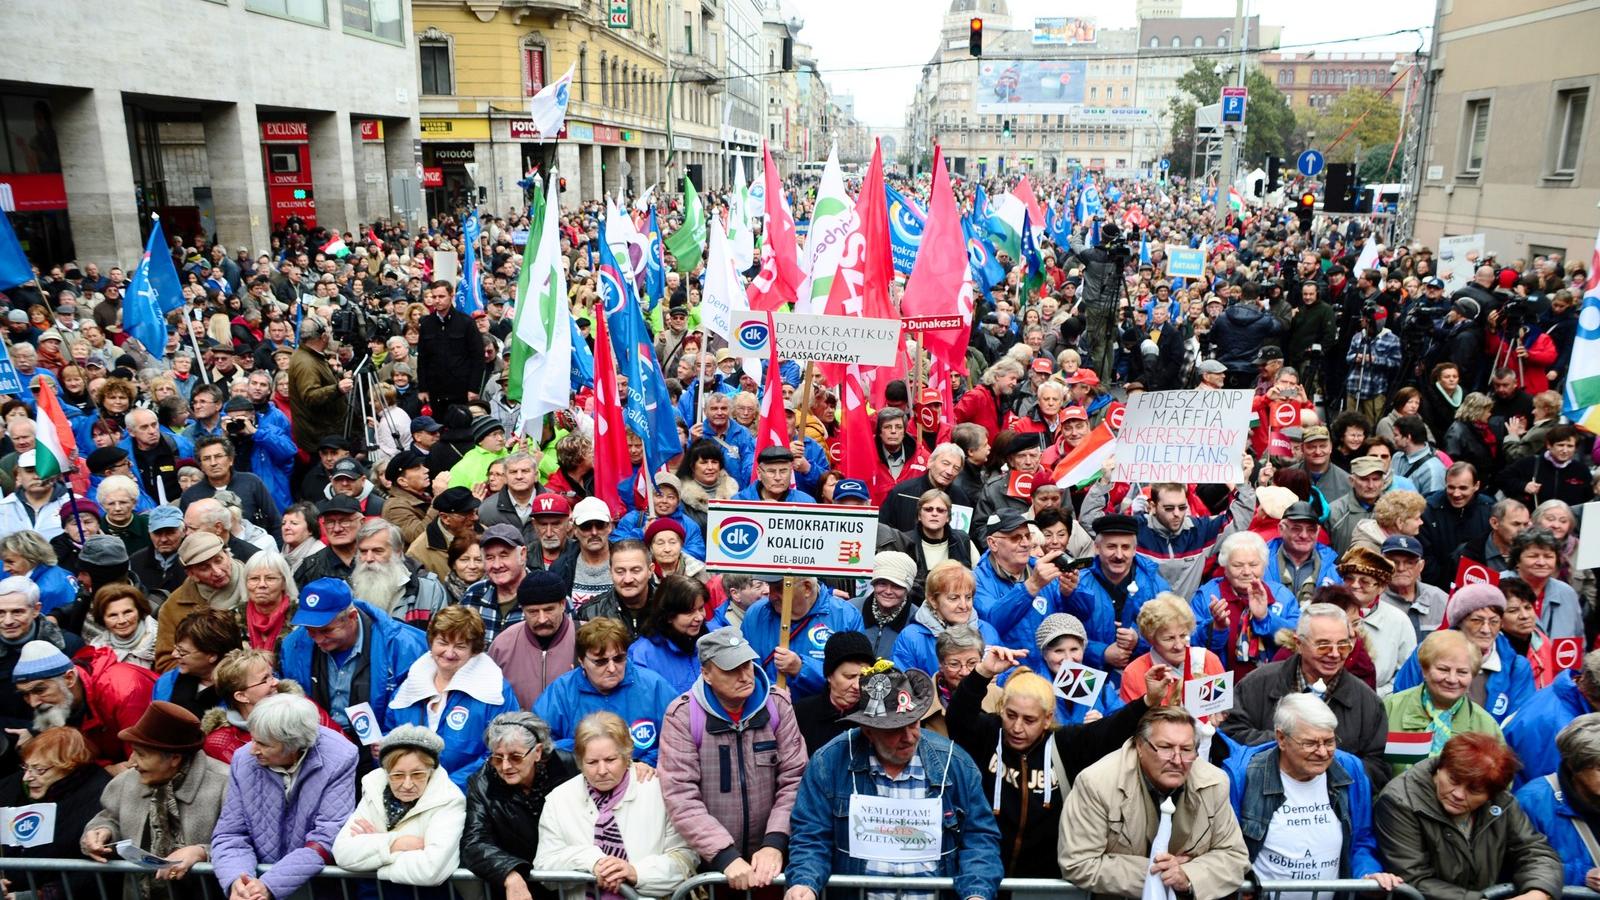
{"x":1103,"y":265}
{"x":1419,"y":330}
{"x":1518,"y":343}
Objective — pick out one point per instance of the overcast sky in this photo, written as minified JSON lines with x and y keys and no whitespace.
{"x":856,"y":33}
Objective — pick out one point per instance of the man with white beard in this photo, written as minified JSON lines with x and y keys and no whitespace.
{"x":95,"y":694}
{"x":387,"y":579}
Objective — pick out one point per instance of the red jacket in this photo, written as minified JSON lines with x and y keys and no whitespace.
{"x":883,"y":481}
{"x":115,"y":695}
{"x":1541,"y":356}
{"x":980,"y":406}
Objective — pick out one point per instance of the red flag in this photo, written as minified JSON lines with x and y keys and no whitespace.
{"x":780,"y":271}
{"x":611,"y":463}
{"x":861,"y":287}
{"x":1023,"y":190}
{"x":373,"y":237}
{"x":940,"y":283}
{"x":773,"y":428}
{"x":857,"y":453}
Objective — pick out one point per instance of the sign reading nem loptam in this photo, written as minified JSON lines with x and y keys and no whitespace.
{"x":790,"y":538}
{"x":1190,"y":437}
{"x":823,"y":339}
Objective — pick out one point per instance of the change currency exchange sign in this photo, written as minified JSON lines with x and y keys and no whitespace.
{"x":1190,"y":437}
{"x":790,"y":538}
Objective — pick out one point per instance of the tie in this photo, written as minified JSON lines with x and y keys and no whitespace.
{"x":1153,"y":888}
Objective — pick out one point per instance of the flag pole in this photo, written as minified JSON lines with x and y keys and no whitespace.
{"x":700,"y":378}
{"x":786,"y":624}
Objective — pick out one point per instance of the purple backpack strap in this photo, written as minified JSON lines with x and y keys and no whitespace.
{"x":697,"y":718}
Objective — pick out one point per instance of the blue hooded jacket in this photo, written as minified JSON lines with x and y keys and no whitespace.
{"x":640,"y":699}
{"x":273,"y":456}
{"x":1504,"y":692}
{"x":752,"y":491}
{"x":1327,"y":566}
{"x":680,"y":668}
{"x":1553,"y":816}
{"x":807,"y":636}
{"x":478,"y":692}
{"x":56,"y":587}
{"x":631,"y":528}
{"x":1017,"y":616}
{"x":392,"y":646}
{"x":1349,"y":790}
{"x":917,"y":645}
{"x":1282,"y":612}
{"x":1532,"y":731}
{"x":819,"y":841}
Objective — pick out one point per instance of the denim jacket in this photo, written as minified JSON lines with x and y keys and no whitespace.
{"x":820,"y":823}
{"x":1257,"y":792}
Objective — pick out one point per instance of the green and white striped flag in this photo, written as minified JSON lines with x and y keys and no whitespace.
{"x":541,"y":345}
{"x":741,"y":237}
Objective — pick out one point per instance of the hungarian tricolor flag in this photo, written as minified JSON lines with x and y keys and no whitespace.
{"x":1407,"y":748}
{"x":55,"y":449}
{"x":336,"y":247}
{"x":1082,"y":465}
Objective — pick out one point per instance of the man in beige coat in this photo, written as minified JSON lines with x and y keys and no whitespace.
{"x":1111,"y":817}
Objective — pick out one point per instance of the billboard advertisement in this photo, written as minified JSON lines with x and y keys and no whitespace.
{"x":1062,"y":31}
{"x":1032,"y":86}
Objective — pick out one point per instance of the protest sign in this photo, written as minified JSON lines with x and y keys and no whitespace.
{"x":823,"y":339}
{"x":446,"y":265}
{"x":790,"y":538}
{"x":1204,"y":696}
{"x":1470,"y":571}
{"x":364,"y":722}
{"x":1453,"y":264}
{"x":1190,"y":437}
{"x":1079,"y":684}
{"x":1588,"y":556}
{"x":1184,"y":262}
{"x":33,"y":825}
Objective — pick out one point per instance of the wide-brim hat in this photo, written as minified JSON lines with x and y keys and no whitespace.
{"x":892,"y":699}
{"x":165,"y":726}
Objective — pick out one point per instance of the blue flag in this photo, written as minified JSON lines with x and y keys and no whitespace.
{"x":469,"y":290}
{"x":647,"y":409}
{"x":980,"y":206}
{"x":1144,"y":249}
{"x":1094,"y":232}
{"x":582,"y":359}
{"x":986,"y":270}
{"x":1059,"y":228}
{"x":10,"y":380}
{"x":14,"y":266}
{"x":153,"y":291}
{"x":906,"y":222}
{"x":655,"y":267}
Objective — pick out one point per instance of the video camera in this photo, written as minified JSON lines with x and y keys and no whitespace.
{"x":1115,"y":243}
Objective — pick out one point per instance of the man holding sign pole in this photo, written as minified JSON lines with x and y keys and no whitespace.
{"x":814,"y":615}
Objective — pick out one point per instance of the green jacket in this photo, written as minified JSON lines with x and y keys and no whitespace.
{"x":473,"y":469}
{"x":1406,"y":714}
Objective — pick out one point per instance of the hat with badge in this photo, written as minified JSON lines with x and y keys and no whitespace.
{"x":548,"y":504}
{"x":321,"y":602}
{"x":850,"y":489}
{"x":891,"y":698}
{"x":725,"y":648}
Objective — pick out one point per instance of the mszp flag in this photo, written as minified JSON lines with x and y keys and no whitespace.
{"x":685,"y":244}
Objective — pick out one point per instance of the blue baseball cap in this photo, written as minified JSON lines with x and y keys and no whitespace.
{"x":321,"y":602}
{"x":425,"y":423}
{"x":164,"y":517}
{"x":1402,"y":543}
{"x":850,"y":489}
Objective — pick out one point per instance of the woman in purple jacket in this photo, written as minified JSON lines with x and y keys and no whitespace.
{"x":292,"y":830}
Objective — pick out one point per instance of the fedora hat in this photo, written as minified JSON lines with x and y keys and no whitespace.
{"x":165,"y":726}
{"x":891,"y":698}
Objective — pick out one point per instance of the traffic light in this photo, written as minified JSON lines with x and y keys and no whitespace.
{"x":975,"y":40}
{"x":1338,"y":188}
{"x":1274,"y":173}
{"x":1305,"y":210}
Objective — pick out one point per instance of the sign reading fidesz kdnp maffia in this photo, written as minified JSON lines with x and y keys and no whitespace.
{"x":1190,"y":437}
{"x":823,"y":339}
{"x":789,"y":538}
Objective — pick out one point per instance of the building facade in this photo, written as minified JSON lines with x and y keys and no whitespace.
{"x":95,"y":142}
{"x":1510,"y":134}
{"x":1313,"y":81}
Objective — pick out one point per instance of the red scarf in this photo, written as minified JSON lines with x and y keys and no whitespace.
{"x":265,"y":628}
{"x":1245,"y":646}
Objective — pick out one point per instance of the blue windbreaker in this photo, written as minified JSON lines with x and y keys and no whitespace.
{"x":392,"y":646}
{"x":1282,"y":612}
{"x":631,"y":528}
{"x":640,"y":700}
{"x":1532,"y":730}
{"x":680,"y":668}
{"x":1547,"y":807}
{"x":807,"y":636}
{"x":478,"y":693}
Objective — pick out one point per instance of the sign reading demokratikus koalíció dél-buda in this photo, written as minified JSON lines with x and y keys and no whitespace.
{"x":1188,"y":437}
{"x":790,"y":538}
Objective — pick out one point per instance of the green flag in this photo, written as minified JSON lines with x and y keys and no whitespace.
{"x":519,"y":349}
{"x":542,"y":326}
{"x":687,"y":242}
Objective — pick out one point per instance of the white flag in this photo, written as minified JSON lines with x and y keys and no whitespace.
{"x":724,"y":293}
{"x":548,"y":108}
{"x":741,"y":240}
{"x":833,"y":219}
{"x":33,"y":825}
{"x":544,"y":320}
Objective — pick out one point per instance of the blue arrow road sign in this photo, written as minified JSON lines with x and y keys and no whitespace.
{"x":1310,"y":163}
{"x":1165,"y":165}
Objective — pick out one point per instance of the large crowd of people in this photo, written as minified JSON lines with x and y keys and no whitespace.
{"x":309,"y":594}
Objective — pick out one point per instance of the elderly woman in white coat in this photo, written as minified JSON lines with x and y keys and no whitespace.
{"x":609,"y":822}
{"x":407,"y":824}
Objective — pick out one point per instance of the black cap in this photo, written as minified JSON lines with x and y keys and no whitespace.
{"x":1115,"y":523}
{"x":1300,"y":512}
{"x":1019,"y":442}
{"x":425,"y":423}
{"x":105,"y":459}
{"x":543,"y":587}
{"x":338,"y":503}
{"x":1268,"y":354}
{"x":455,"y":500}
{"x":348,"y":467}
{"x":405,"y":459}
{"x":333,"y":442}
{"x":1006,"y":521}
{"x":842,"y":647}
{"x":238,"y":404}
{"x":776,"y":454}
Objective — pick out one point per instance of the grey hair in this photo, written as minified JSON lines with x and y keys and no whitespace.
{"x":114,"y":483}
{"x":1503,"y":508}
{"x":1296,"y":710}
{"x":212,"y":516}
{"x":30,"y":545}
{"x":1562,"y":505}
{"x":1174,"y":715}
{"x":272,"y":561}
{"x":1579,"y":743}
{"x":285,"y":719}
{"x":1055,"y":387}
{"x":958,"y":638}
{"x":520,"y":456}
{"x":1319,"y":611}
{"x":1590,"y":672}
{"x":949,"y":448}
{"x":1003,"y":367}
{"x":312,"y":327}
{"x":521,"y":726}
{"x":1241,"y":540}
{"x":374,"y":527}
{"x":20,"y":584}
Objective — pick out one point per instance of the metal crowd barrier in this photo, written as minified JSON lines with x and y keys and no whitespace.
{"x":108,"y":877}
{"x":1052,"y":887}
{"x":1502,"y":891}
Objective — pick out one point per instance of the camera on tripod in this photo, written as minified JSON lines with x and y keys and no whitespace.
{"x":1515,"y":315}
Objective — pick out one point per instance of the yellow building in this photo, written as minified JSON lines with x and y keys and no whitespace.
{"x":480,"y":62}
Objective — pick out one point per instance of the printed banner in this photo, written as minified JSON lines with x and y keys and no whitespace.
{"x":790,"y":538}
{"x":823,"y":339}
{"x":33,"y":825}
{"x":1185,"y":262}
{"x":1079,"y":684}
{"x":1205,"y":696}
{"x":1190,"y":437}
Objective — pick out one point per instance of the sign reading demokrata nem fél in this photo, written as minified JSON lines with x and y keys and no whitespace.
{"x":790,"y":538}
{"x":1190,"y":437}
{"x":823,"y":339}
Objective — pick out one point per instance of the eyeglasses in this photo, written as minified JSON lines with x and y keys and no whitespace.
{"x":1173,"y":754}
{"x":36,"y":770}
{"x":1328,"y":744}
{"x":500,"y":759}
{"x":250,"y":687}
{"x":420,"y":778}
{"x":1324,"y":648}
{"x":600,"y":662}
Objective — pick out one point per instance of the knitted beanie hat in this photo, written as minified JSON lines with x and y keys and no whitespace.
{"x":39,"y":660}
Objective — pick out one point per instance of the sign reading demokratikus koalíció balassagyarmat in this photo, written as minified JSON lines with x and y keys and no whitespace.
{"x":1189,"y":437}
{"x":790,"y":538}
{"x":823,"y":339}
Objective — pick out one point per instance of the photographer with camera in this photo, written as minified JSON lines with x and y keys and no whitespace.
{"x":1518,"y":343}
{"x":1460,"y":342}
{"x":1103,"y":265}
{"x":1372,"y":363}
{"x":1311,"y":332}
{"x":1419,"y":330}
